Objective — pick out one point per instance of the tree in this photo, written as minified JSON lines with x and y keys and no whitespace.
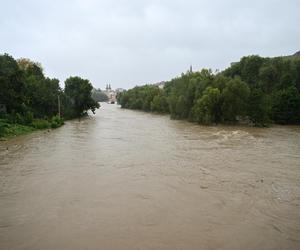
{"x":207,"y":108}
{"x":11,"y":84}
{"x":234,"y":97}
{"x":258,"y":107}
{"x":41,"y":92}
{"x":257,"y":88}
{"x":178,"y":107}
{"x":159,"y":104}
{"x":250,"y":67}
{"x":268,"y":76}
{"x":29,"y":98}
{"x":31,"y":67}
{"x":286,"y":105}
{"x":78,"y":92}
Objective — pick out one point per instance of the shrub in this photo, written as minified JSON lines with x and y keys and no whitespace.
{"x":56,"y":122}
{"x":28,"y":118}
{"x":41,"y":124}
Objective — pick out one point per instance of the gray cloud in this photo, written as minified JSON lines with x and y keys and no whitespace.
{"x":126,"y":43}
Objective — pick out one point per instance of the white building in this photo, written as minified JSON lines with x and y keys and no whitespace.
{"x":111,"y":94}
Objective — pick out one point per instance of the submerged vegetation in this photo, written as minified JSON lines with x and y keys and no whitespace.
{"x":255,"y":90}
{"x":29,"y":100}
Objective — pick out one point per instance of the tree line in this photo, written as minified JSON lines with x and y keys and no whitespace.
{"x":255,"y":90}
{"x":29,"y":98}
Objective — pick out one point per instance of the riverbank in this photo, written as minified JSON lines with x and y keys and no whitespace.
{"x":11,"y":129}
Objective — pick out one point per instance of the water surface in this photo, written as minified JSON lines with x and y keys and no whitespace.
{"x":124,"y":179}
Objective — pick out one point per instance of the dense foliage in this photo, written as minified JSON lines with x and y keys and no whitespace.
{"x":78,"y":97}
{"x":255,"y":90}
{"x":29,"y":98}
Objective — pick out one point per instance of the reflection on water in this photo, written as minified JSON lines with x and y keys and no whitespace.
{"x":130,"y":180}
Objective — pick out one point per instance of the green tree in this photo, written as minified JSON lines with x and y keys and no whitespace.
{"x":286,"y":105}
{"x":11,"y":84}
{"x":234,"y":96}
{"x":159,"y":104}
{"x":41,"y":93}
{"x":258,"y":107}
{"x":207,"y":108}
{"x":178,"y":107}
{"x":261,"y":89}
{"x":268,"y":77}
{"x":250,"y":67}
{"x":78,"y":92}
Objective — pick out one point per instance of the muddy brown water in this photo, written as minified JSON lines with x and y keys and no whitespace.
{"x":124,"y":179}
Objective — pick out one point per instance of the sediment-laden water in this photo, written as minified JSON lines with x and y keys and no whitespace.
{"x":130,"y":180}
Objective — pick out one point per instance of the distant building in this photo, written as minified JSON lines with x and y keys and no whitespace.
{"x":111,"y":94}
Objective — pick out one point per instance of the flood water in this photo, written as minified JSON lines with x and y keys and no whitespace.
{"x":124,"y":179}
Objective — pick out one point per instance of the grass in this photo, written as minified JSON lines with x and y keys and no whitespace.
{"x":8,"y":129}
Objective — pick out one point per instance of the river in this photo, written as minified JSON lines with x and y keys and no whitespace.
{"x":125,"y":179}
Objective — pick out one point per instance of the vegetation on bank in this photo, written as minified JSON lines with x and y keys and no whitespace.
{"x":29,"y":100}
{"x":8,"y":129}
{"x":255,"y":90}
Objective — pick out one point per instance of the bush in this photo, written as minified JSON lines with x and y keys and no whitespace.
{"x":18,"y":118}
{"x":28,"y":118}
{"x":41,"y":124}
{"x":25,"y":118}
{"x":56,"y":122}
{"x":8,"y":129}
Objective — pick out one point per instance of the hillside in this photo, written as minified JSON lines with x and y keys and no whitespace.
{"x":255,"y":89}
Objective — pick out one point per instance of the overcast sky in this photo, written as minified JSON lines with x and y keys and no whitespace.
{"x":128,"y":43}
